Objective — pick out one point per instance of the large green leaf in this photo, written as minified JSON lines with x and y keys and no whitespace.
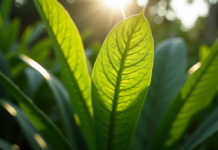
{"x":121,"y":77}
{"x":7,"y":146}
{"x":70,"y":53}
{"x":205,"y":130}
{"x":62,"y":98}
{"x":195,"y":95}
{"x":167,"y":79}
{"x":48,"y":130}
{"x":32,"y":135}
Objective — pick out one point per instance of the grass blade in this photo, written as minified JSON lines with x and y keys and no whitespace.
{"x":48,"y":130}
{"x":7,"y":146}
{"x":32,"y":135}
{"x":61,"y":97}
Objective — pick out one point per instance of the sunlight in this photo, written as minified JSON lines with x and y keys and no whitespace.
{"x":36,"y":66}
{"x":10,"y":109}
{"x":194,"y":68}
{"x":76,"y":117}
{"x":15,"y":147}
{"x":117,"y":3}
{"x":188,"y":13}
{"x":40,"y":141}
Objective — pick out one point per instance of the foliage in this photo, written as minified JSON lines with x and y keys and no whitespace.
{"x":102,"y":113}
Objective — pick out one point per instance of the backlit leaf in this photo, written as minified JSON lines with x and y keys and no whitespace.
{"x":71,"y":56}
{"x":120,"y":81}
{"x":63,"y":101}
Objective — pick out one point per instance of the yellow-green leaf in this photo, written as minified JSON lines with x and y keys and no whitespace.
{"x":121,"y":77}
{"x":71,"y":56}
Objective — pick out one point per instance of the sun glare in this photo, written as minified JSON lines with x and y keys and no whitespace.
{"x":117,"y":3}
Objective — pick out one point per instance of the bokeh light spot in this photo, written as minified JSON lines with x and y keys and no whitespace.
{"x":158,"y":19}
{"x":170,"y":15}
{"x":153,"y":10}
{"x":70,"y":1}
{"x":40,"y":141}
{"x":162,"y":4}
{"x":142,"y":3}
{"x":10,"y":109}
{"x":161,"y":11}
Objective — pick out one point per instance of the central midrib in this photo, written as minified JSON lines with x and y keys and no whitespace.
{"x":116,"y":95}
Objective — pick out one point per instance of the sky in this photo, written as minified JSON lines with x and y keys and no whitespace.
{"x":187,"y":13}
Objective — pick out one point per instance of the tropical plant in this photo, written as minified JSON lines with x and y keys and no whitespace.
{"x":104,"y":112}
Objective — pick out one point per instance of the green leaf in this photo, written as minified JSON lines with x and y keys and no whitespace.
{"x":48,"y":130}
{"x":5,"y":9}
{"x":194,"y":96}
{"x":203,"y":52}
{"x":37,"y":30}
{"x":7,"y":146}
{"x":62,"y":98}
{"x":24,"y":39}
{"x":1,"y":21}
{"x":34,"y":80}
{"x":71,"y":56}
{"x":208,"y":127}
{"x":9,"y":35}
{"x":32,"y":135}
{"x":41,"y":50}
{"x":120,"y":81}
{"x":167,"y":79}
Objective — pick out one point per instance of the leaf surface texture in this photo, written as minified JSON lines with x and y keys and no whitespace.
{"x":121,"y":77}
{"x":71,"y":56}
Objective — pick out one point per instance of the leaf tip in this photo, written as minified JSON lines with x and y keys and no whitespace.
{"x":143,"y":10}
